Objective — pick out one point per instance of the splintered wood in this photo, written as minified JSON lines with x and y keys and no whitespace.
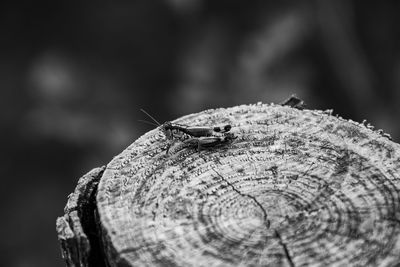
{"x":296,"y":188}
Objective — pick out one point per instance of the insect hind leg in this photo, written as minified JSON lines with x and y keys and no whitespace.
{"x":171,"y":144}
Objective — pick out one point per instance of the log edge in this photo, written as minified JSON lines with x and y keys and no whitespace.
{"x":77,"y":228}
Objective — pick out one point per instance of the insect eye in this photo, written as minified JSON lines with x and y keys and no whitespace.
{"x":227,"y":127}
{"x":217,"y":129}
{"x":167,"y":125}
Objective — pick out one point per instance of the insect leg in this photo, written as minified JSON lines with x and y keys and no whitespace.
{"x":204,"y":142}
{"x":171,"y":144}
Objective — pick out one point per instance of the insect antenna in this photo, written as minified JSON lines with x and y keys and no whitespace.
{"x":148,"y":122}
{"x":151,"y":117}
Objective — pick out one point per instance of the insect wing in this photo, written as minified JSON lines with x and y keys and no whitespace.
{"x":199,"y":131}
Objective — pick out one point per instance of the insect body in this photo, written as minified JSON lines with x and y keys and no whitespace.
{"x":203,"y":136}
{"x":173,"y":130}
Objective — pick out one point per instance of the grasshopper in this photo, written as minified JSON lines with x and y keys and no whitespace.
{"x":173,"y":130}
{"x":204,"y":136}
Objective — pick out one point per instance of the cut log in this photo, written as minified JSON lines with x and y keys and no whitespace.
{"x":296,"y":188}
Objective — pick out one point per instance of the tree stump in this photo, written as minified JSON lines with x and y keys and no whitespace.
{"x":296,"y":188}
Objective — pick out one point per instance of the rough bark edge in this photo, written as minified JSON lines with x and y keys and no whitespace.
{"x":77,"y":229}
{"x":110,"y":255}
{"x":294,"y":102}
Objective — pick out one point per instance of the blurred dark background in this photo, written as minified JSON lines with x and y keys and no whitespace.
{"x":73,"y":76}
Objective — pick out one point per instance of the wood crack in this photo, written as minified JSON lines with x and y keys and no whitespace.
{"x":285,"y":249}
{"x":265,"y":215}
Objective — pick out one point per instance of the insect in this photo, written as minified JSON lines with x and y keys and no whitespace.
{"x":204,"y":136}
{"x":173,"y":130}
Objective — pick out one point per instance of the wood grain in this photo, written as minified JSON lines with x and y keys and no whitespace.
{"x":296,"y":188}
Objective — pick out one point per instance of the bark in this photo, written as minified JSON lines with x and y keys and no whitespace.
{"x":77,"y":230}
{"x":296,"y":188}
